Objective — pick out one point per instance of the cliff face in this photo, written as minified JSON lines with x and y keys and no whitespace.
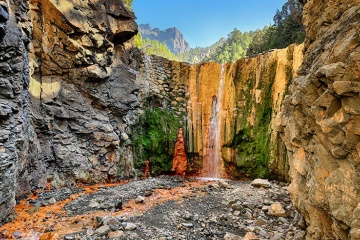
{"x":320,"y":122}
{"x":82,"y":91}
{"x":64,"y":112}
{"x":70,"y":90}
{"x":171,"y":36}
{"x":228,"y":110}
{"x":248,"y":94}
{"x":17,"y":135}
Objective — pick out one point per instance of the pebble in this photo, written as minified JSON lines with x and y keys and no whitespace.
{"x":98,"y":221}
{"x":282,"y":220}
{"x":102,"y":231}
{"x":116,"y":234}
{"x":52,"y":200}
{"x":187,"y":225}
{"x":237,"y":207}
{"x":69,"y":237}
{"x":277,"y":210}
{"x":17,"y":235}
{"x":260,"y":222}
{"x":187,"y":215}
{"x":139,"y":199}
{"x":230,"y":236}
{"x":130,"y":226}
{"x":251,"y":236}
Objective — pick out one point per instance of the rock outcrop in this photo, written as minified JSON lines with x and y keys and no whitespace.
{"x":82,"y":92}
{"x":179,"y":166}
{"x":320,"y":122}
{"x":252,"y":90}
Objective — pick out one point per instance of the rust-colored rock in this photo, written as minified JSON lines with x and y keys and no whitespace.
{"x":180,"y":160}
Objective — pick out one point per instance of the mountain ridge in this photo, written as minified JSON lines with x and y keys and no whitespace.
{"x":172,"y":37}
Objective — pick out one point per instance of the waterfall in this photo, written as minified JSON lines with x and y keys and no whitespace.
{"x":213,"y":145}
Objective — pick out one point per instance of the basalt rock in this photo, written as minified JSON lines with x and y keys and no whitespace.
{"x":82,"y":92}
{"x":67,"y":94}
{"x":320,"y":119}
{"x":18,"y":143}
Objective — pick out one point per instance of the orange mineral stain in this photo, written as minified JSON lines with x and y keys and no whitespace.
{"x":180,"y":160}
{"x":52,"y":222}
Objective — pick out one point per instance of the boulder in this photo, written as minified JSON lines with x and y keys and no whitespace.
{"x":261,"y":183}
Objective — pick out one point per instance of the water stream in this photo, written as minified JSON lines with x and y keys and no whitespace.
{"x":213,"y":148}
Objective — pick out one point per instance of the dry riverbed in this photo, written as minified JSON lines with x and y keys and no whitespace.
{"x":159,"y":208}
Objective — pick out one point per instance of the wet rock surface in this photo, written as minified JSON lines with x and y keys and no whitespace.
{"x":208,"y":210}
{"x":112,"y":198}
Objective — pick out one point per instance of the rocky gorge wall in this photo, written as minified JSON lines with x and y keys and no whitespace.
{"x":67,"y":94}
{"x":82,"y":92}
{"x":252,"y":91}
{"x":17,"y":134}
{"x":71,"y":89}
{"x":320,"y":122}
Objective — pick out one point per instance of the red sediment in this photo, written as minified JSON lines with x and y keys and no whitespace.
{"x":180,"y":160}
{"x":52,"y":222}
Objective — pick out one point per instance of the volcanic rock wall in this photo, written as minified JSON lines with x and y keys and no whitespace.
{"x":320,"y":122}
{"x":252,"y":90}
{"x":17,"y":135}
{"x":67,"y":94}
{"x":83,"y":92}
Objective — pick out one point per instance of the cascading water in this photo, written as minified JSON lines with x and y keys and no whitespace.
{"x":213,"y":147}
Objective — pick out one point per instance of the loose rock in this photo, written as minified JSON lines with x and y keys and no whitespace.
{"x":260,"y":183}
{"x":276,"y":209}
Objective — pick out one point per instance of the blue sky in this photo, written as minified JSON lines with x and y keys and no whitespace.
{"x":203,"y":22}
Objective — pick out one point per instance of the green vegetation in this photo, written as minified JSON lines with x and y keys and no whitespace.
{"x":154,"y":139}
{"x":138,"y":42}
{"x":154,"y":47}
{"x":252,"y":142}
{"x":198,"y":54}
{"x":233,"y":49}
{"x":128,"y":4}
{"x":287,"y":29}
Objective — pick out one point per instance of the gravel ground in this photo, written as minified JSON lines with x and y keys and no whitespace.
{"x":216,"y":210}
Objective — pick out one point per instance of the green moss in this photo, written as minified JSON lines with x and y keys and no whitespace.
{"x":252,"y":142}
{"x":289,"y":78}
{"x":154,"y":139}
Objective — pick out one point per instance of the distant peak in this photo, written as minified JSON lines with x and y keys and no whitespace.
{"x":172,"y":37}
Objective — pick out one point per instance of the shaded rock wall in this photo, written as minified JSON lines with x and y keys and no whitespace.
{"x":17,"y":137}
{"x":252,"y":92}
{"x":67,"y":94}
{"x":82,"y":89}
{"x":320,"y":122}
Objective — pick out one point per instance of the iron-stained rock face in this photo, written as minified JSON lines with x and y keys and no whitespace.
{"x":242,"y":97}
{"x":320,"y":119}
